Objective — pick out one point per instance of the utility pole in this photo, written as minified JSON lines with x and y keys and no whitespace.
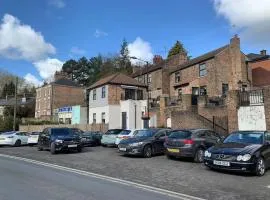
{"x":15,"y":105}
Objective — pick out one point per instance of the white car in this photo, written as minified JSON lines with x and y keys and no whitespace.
{"x":33,"y":138}
{"x":125,"y":134}
{"x":14,"y":138}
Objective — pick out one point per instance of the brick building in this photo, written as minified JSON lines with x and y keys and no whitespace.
{"x":260,"y":65}
{"x":60,"y":93}
{"x":117,"y":100}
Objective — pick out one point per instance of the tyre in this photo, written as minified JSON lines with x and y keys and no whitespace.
{"x":260,"y":167}
{"x":169,"y":156}
{"x":199,"y":155}
{"x":40,"y":148}
{"x":147,"y":151}
{"x":52,"y":149}
{"x":18,"y":143}
{"x":79,"y":149}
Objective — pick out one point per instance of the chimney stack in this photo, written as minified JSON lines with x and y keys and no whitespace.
{"x":263,"y":52}
{"x":157,"y":59}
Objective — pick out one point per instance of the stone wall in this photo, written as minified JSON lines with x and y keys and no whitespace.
{"x":85,"y":127}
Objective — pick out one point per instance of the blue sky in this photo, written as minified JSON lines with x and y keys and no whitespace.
{"x":71,"y":29}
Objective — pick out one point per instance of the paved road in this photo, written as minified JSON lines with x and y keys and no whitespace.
{"x":175,"y":175}
{"x":23,"y":181}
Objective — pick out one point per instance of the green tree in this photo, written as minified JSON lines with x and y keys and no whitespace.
{"x":176,"y":49}
{"x":124,"y":61}
{"x":8,"y":89}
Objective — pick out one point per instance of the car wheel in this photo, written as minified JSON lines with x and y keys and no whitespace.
{"x":199,"y":155}
{"x":147,"y":151}
{"x":40,"y":148}
{"x":79,"y":149}
{"x":18,"y":143}
{"x":260,"y":167}
{"x":52,"y":149}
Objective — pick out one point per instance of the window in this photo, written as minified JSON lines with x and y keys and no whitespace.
{"x":139,"y":95}
{"x":203,"y":91}
{"x":103,"y":93}
{"x":177,"y":77}
{"x":202,"y":69}
{"x":225,"y":89}
{"x":180,"y":93}
{"x":129,"y":94}
{"x":103,"y":118}
{"x":94,"y":94}
{"x":94,"y":118}
{"x":267,"y":137}
{"x":149,"y":78}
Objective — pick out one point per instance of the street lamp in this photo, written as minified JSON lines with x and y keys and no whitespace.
{"x":147,"y":74}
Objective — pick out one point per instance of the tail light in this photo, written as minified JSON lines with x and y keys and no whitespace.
{"x":188,"y":142}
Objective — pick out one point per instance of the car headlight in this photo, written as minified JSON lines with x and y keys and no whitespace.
{"x":207,"y":154}
{"x":239,"y":158}
{"x":246,"y":157}
{"x":136,"y":144}
{"x":58,"y":141}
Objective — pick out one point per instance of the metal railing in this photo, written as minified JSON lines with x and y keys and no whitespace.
{"x":251,"y":98}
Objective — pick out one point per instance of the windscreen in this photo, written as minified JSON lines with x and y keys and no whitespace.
{"x":60,"y":132}
{"x":246,"y":137}
{"x":180,"y":134}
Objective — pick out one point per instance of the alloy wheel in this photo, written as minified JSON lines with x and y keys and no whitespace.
{"x":260,"y":167}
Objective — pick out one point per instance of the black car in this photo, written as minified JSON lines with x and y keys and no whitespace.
{"x":58,"y":139}
{"x":146,"y":142}
{"x":245,"y":151}
{"x":77,"y":131}
{"x":92,"y":138}
{"x":190,"y":143}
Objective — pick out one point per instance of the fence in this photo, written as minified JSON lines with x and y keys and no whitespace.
{"x":85,"y":127}
{"x":251,"y":98}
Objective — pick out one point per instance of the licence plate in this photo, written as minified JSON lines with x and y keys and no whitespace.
{"x":122,"y":149}
{"x":222,"y":163}
{"x":72,"y":145}
{"x":174,"y":150}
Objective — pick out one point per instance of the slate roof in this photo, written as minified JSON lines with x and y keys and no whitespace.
{"x":11,"y":101}
{"x":66,"y":82}
{"x":255,"y":57}
{"x":200,"y":59}
{"x":151,"y":68}
{"x":117,"y":79}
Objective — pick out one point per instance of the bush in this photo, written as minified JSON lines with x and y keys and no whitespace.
{"x":44,"y":122}
{"x":6,"y":123}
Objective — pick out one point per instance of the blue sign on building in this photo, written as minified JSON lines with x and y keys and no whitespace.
{"x":65,"y":109}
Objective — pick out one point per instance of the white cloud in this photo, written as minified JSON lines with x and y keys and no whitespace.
{"x":31,"y":79}
{"x":140,"y":49}
{"x":48,"y":67}
{"x":19,"y":41}
{"x":57,"y":3}
{"x":250,"y":17}
{"x":99,"y":33}
{"x":77,"y":51}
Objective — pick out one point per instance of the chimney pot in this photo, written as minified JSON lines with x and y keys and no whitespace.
{"x":263,"y":52}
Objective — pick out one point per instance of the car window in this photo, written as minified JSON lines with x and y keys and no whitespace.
{"x":201,"y":134}
{"x":125,"y":132}
{"x":19,"y":134}
{"x":60,"y":131}
{"x":213,"y":134}
{"x":113,"y":132}
{"x":161,"y":133}
{"x":180,"y":134}
{"x":267,"y":136}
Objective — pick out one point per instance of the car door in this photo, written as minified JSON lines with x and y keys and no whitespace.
{"x":23,"y":137}
{"x":214,"y":138}
{"x":203,"y":138}
{"x":267,"y":148}
{"x":47,"y":138}
{"x":159,"y":141}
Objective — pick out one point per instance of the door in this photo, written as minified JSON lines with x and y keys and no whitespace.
{"x":194,"y":96}
{"x":124,"y":120}
{"x":24,"y":137}
{"x":159,"y":141}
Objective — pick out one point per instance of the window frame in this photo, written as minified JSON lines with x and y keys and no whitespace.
{"x":103,"y":92}
{"x":95,"y":94}
{"x":103,"y":118}
{"x":202,"y":71}
{"x":94,"y":118}
{"x":177,"y":77}
{"x":149,"y":78}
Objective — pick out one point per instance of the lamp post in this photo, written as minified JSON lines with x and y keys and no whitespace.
{"x":147,"y":76}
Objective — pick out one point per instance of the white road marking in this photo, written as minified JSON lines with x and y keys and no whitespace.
{"x":108,"y":178}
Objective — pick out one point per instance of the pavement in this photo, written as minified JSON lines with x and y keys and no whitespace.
{"x":182,"y":176}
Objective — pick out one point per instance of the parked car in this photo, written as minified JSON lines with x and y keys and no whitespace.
{"x":190,"y":143}
{"x":14,"y":138}
{"x":108,"y":139}
{"x":77,"y":131}
{"x":92,"y":138}
{"x":59,"y":139}
{"x":244,"y":151}
{"x":33,"y":138}
{"x":125,"y":134}
{"x":147,"y":142}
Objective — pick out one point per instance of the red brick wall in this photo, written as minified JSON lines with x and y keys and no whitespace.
{"x":260,"y":73}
